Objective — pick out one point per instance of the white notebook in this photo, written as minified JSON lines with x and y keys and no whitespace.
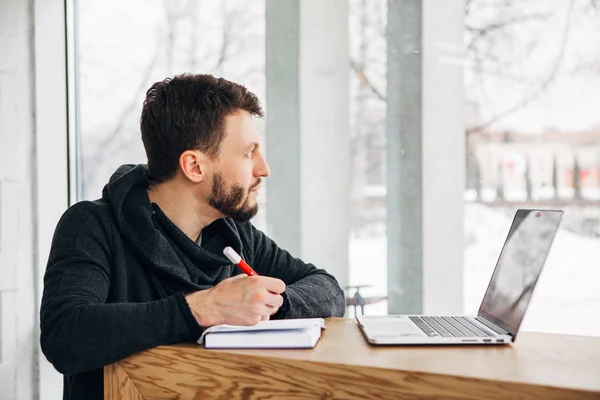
{"x":277,"y":334}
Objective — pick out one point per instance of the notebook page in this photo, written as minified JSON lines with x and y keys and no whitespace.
{"x":274,"y":325}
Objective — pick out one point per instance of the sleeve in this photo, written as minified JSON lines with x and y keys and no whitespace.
{"x":310,"y":292}
{"x":80,"y":331}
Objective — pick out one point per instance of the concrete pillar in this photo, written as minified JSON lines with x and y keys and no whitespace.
{"x":444,"y":156}
{"x":308,"y":142}
{"x":284,"y":221}
{"x":426,"y":156}
{"x":404,"y":157}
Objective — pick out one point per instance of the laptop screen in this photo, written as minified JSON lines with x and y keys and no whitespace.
{"x":519,"y":267}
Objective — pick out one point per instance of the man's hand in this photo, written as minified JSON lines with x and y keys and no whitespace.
{"x":241,"y":300}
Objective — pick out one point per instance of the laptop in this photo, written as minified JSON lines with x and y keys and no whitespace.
{"x":506,"y":299}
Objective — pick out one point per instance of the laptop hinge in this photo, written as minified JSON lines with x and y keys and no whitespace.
{"x":499,"y":330}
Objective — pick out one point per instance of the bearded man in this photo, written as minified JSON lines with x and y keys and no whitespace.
{"x":143,"y":265}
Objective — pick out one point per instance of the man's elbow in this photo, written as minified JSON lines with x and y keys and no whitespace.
{"x":60,"y":349}
{"x":337,"y":305}
{"x":60,"y":357}
{"x":340,"y":305}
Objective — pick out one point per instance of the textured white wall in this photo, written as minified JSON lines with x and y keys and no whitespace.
{"x":17,"y":290}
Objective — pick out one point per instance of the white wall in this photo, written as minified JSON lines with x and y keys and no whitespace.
{"x":33,"y":184}
{"x":18,"y":342}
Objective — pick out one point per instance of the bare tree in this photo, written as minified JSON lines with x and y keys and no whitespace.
{"x":480,"y":45}
{"x":210,"y":59}
{"x":480,"y":34}
{"x":192,"y":11}
{"x":491,"y":26}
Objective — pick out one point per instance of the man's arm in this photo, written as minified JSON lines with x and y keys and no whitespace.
{"x":79,"y":330}
{"x":310,"y":292}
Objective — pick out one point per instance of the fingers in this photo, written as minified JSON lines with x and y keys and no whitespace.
{"x":273,"y":285}
{"x":273,"y":300}
{"x":273,"y":312}
{"x":246,"y":300}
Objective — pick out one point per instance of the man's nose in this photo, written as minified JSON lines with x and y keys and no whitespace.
{"x":262,"y":168}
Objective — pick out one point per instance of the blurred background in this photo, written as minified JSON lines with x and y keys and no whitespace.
{"x":401,"y":135}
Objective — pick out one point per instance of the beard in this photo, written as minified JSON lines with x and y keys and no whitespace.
{"x":234,"y":201}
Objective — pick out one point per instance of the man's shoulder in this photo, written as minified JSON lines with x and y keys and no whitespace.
{"x":87,"y":212}
{"x":82,"y":223}
{"x":99,"y":206}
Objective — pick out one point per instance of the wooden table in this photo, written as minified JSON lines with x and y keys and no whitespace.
{"x":345,"y":366}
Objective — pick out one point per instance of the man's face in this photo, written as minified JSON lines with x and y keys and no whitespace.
{"x":238,"y":169}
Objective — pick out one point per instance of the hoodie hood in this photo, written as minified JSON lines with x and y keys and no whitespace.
{"x":155,"y":238}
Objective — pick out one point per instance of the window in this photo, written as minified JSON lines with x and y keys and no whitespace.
{"x":532,"y":85}
{"x":328,"y":78}
{"x":124,"y":47}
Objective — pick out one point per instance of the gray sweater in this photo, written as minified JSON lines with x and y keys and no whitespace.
{"x":119,"y":269}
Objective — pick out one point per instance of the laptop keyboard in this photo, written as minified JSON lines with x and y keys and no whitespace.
{"x":450,"y":327}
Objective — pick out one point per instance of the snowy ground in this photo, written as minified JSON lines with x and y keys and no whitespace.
{"x":566,"y":299}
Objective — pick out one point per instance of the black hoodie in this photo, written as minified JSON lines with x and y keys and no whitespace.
{"x":119,"y":269}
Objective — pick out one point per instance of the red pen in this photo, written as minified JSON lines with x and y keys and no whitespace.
{"x":237,"y":260}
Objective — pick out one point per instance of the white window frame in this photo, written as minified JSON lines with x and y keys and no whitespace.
{"x":51,"y":153}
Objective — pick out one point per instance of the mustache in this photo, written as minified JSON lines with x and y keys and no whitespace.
{"x":257,"y":184}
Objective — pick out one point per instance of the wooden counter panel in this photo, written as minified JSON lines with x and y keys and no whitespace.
{"x":118,"y":385}
{"x":344,"y":365}
{"x":169,"y":373}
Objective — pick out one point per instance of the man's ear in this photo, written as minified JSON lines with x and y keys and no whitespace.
{"x":194,"y":165}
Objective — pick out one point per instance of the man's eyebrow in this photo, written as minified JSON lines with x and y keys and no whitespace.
{"x":252,"y":146}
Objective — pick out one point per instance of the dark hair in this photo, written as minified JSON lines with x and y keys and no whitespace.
{"x":188,"y":112}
